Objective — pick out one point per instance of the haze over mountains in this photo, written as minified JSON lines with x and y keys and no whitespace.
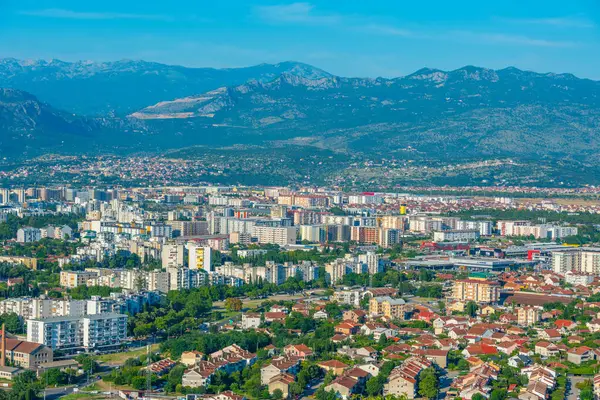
{"x":468,"y":113}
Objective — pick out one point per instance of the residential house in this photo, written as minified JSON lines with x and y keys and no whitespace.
{"x":251,"y":320}
{"x":579,"y":355}
{"x":546,"y":349}
{"x":281,"y":382}
{"x":334,"y":366}
{"x":403,"y":380}
{"x":278,"y":366}
{"x":191,"y":358}
{"x":300,"y":351}
{"x":356,"y":316}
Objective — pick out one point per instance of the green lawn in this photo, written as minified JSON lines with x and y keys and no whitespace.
{"x":78,"y":396}
{"x":120,"y":358}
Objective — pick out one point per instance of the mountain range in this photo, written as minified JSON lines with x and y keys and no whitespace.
{"x":468,"y":113}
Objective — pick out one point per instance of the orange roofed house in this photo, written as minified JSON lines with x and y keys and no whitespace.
{"x":300,"y":351}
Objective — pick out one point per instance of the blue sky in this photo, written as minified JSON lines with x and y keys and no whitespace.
{"x":350,"y":37}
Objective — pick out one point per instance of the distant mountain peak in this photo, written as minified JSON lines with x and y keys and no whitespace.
{"x":429,"y":74}
{"x":470,"y":72}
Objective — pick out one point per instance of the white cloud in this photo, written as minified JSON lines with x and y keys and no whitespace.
{"x":297,"y":13}
{"x":559,"y":22}
{"x":389,"y":30}
{"x":70,"y":14}
{"x":503,"y":38}
{"x":306,"y":13}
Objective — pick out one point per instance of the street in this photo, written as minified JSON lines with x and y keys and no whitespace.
{"x":572,"y":389}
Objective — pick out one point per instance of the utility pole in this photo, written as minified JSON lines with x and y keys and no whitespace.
{"x":148,"y":372}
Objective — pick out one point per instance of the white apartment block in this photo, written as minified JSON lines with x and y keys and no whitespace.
{"x":280,"y":235}
{"x":456,"y":236}
{"x":425,"y":224}
{"x":173,"y":255}
{"x":484,"y":227}
{"x":583,"y":259}
{"x":526,"y":228}
{"x":373,"y":262}
{"x":579,"y":278}
{"x":90,"y":332}
{"x":313,"y":233}
{"x":73,"y":279}
{"x":28,"y":235}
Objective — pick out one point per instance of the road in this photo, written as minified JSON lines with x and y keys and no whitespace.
{"x":311,"y":391}
{"x":572,"y":381}
{"x":445,"y":382}
{"x":55,"y":393}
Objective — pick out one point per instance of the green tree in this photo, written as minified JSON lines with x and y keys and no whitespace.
{"x":233,"y":304}
{"x":382,"y":340}
{"x":374,"y":386}
{"x":428,"y":384}
{"x":471,"y":308}
{"x":26,"y":386}
{"x":498,"y":394}
{"x":88,"y":364}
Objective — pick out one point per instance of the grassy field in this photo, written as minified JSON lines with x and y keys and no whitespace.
{"x":78,"y":396}
{"x":120,"y":358}
{"x":253,"y":303}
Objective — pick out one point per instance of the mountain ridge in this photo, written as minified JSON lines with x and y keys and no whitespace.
{"x":122,"y":87}
{"x":470,"y":112}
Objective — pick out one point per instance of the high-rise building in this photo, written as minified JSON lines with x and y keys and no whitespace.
{"x":280,"y":235}
{"x":373,"y":261}
{"x":199,"y":257}
{"x":173,"y":255}
{"x":4,"y":196}
{"x":20,"y":195}
{"x":583,"y":259}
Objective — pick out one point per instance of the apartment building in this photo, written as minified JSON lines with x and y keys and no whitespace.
{"x":73,"y":279}
{"x":199,"y":257}
{"x":389,"y":307}
{"x":456,"y":236}
{"x":477,"y":290}
{"x":28,"y":235}
{"x":583,"y":259}
{"x":528,"y":316}
{"x":280,"y":235}
{"x":364,"y":234}
{"x":29,"y":262}
{"x":90,"y":332}
{"x":173,"y":255}
{"x":404,"y":379}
